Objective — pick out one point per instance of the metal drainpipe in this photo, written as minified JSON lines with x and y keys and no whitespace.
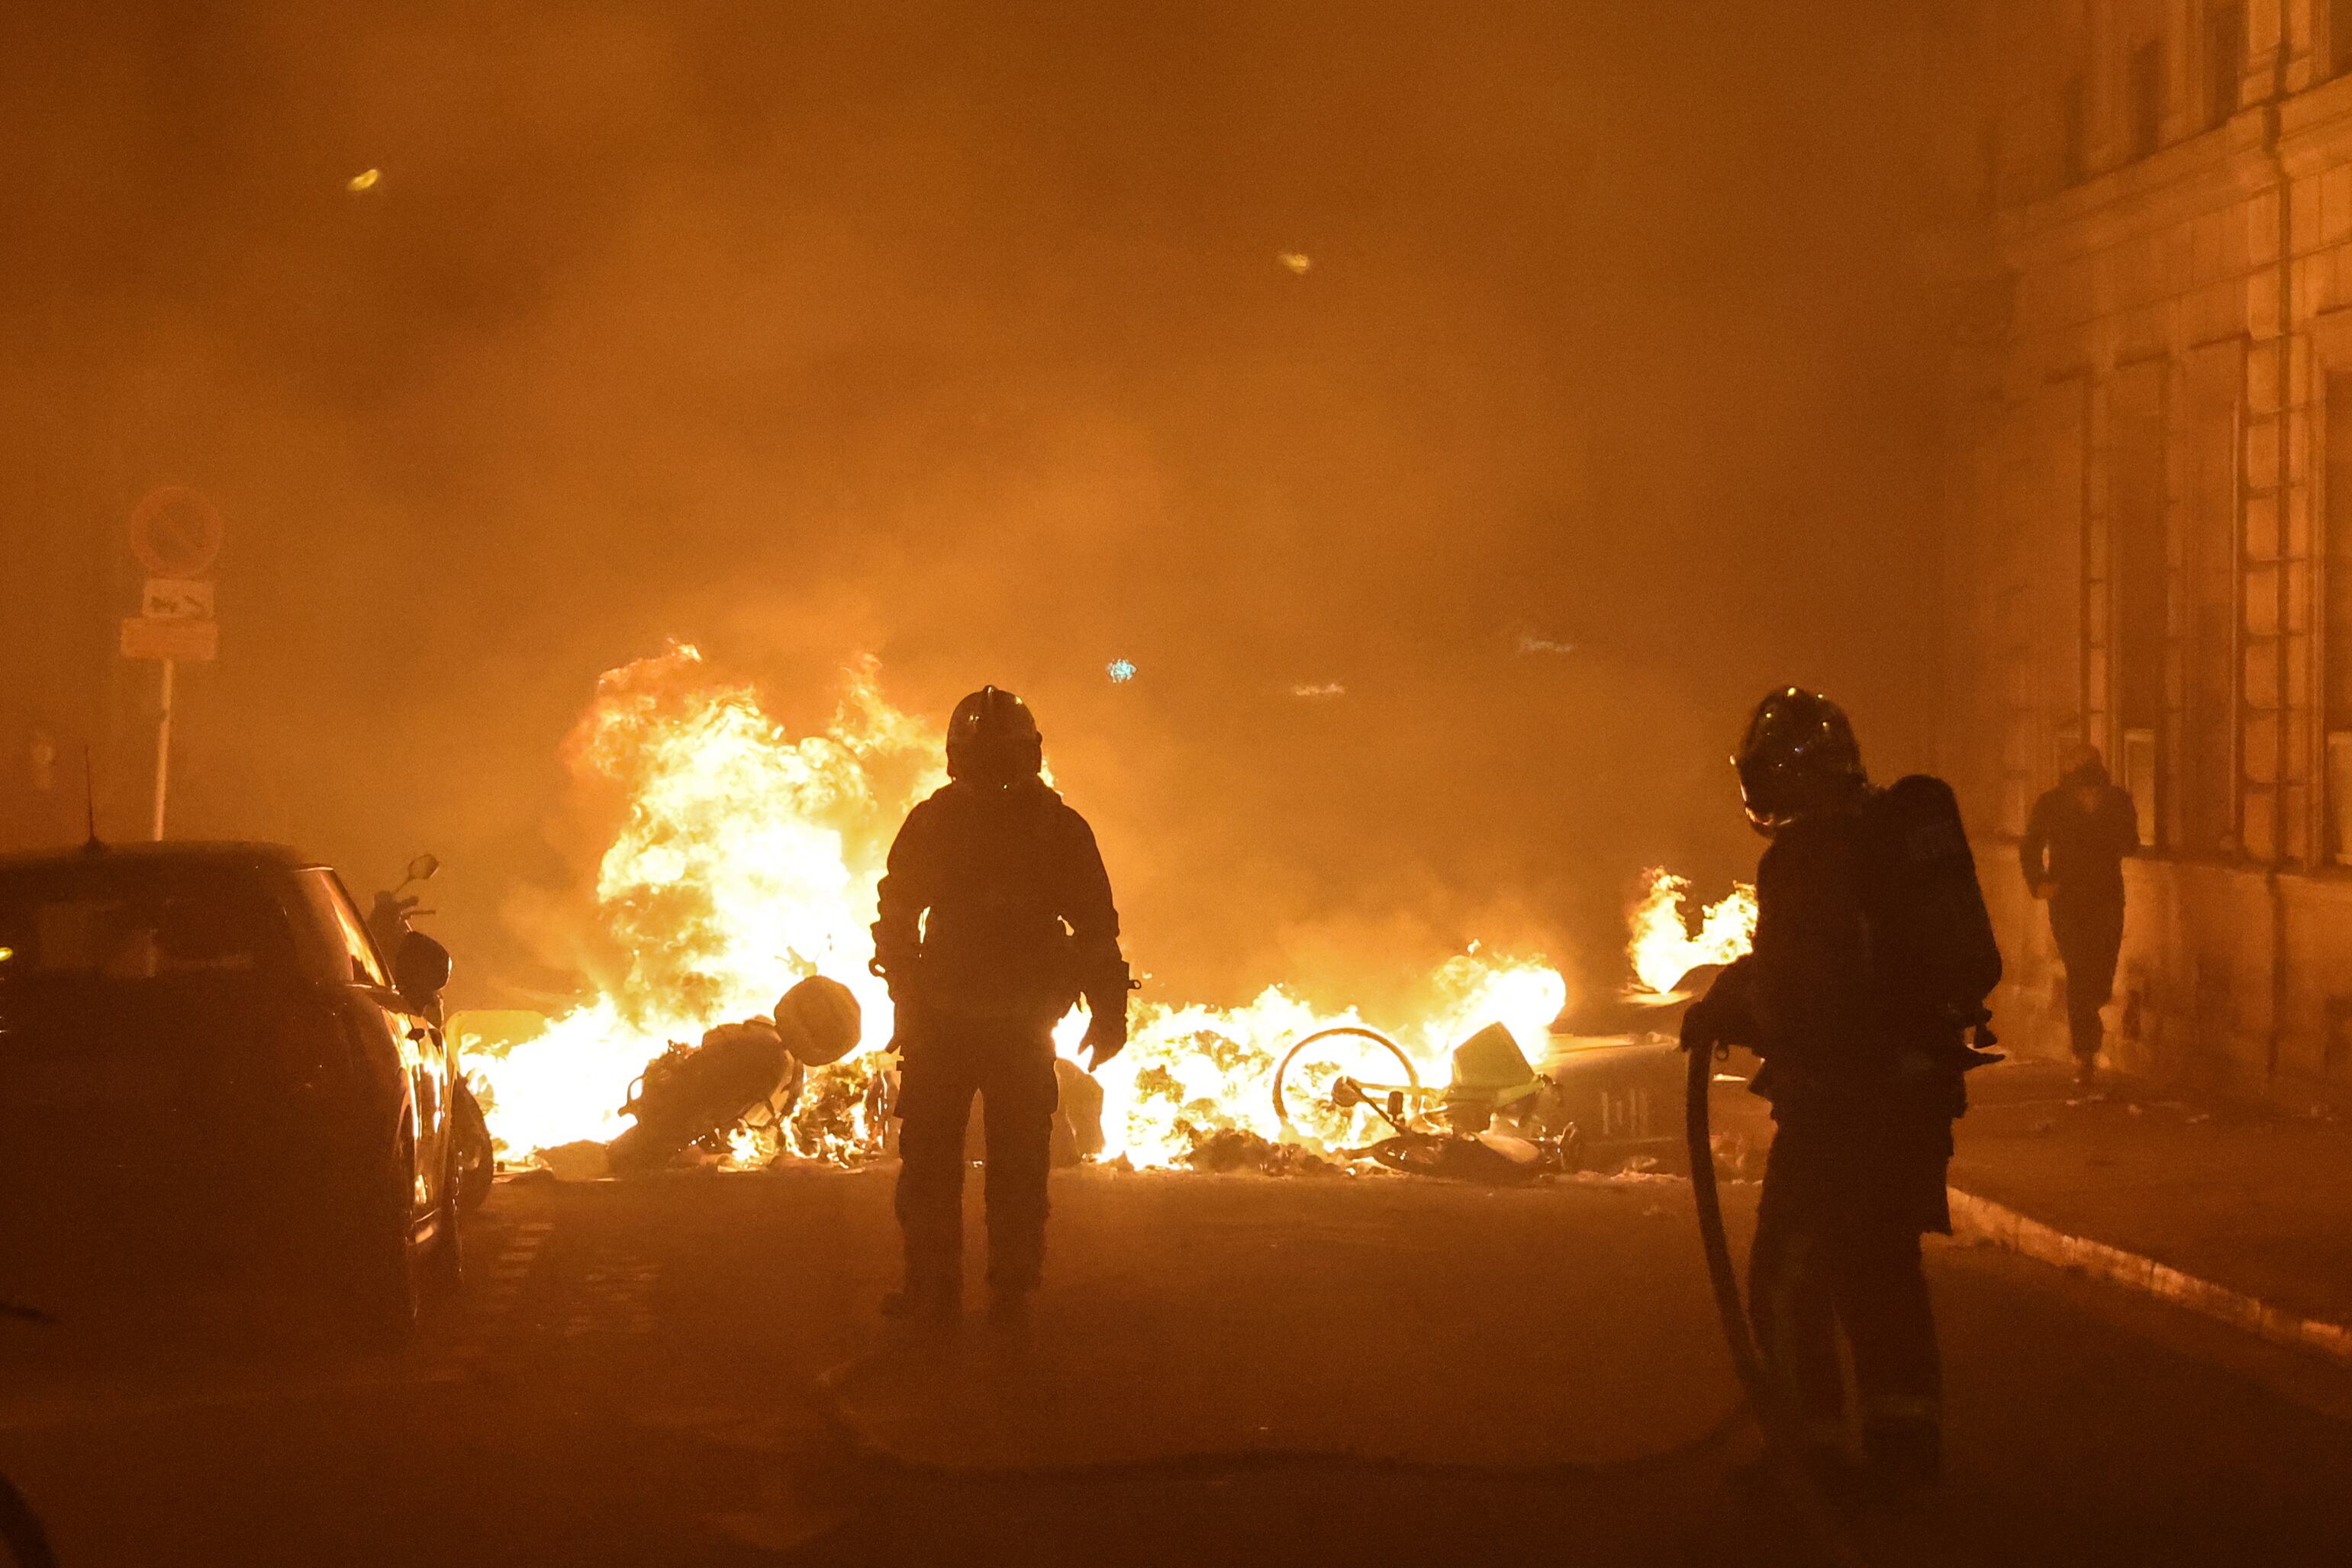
{"x":2272,"y":137}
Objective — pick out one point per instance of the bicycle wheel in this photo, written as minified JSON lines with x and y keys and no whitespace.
{"x":1303,"y":1083}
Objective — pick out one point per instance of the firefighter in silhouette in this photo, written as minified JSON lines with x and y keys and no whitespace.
{"x":2073,"y":854}
{"x":995,"y":918}
{"x":1872,"y":960}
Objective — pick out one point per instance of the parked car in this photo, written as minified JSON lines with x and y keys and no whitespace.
{"x":205,"y":1059}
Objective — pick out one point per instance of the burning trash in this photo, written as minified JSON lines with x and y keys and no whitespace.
{"x":705,"y":1094}
{"x":745,"y":860}
{"x":1496,"y":1120}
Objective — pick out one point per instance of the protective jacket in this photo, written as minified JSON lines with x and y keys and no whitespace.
{"x":1872,"y":954}
{"x":996,"y":907}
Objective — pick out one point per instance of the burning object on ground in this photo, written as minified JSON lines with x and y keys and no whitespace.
{"x":1498,"y":1121}
{"x":1618,"y":1061}
{"x":747,"y":1073}
{"x":749,"y":856}
{"x":1229,"y":1149}
{"x":1618,"y":1068}
{"x":1609,"y":1096}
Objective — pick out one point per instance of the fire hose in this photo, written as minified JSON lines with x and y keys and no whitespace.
{"x":1814,"y":1515}
{"x":1772,"y":1413}
{"x":23,"y":1543}
{"x":21,"y":1538}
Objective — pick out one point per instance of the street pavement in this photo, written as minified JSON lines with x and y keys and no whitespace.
{"x":2250,"y":1196}
{"x":1223,"y":1369}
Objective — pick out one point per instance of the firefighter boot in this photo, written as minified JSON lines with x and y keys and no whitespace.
{"x":1008,"y":1309}
{"x":925,"y":1302}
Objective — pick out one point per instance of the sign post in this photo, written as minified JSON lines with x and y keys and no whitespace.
{"x":176,"y":533}
{"x":163,"y":747}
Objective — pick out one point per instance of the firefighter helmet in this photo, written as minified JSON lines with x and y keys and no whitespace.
{"x":993,"y":739}
{"x":1798,"y":756}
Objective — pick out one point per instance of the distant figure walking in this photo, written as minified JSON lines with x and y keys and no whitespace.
{"x":996,"y":919}
{"x":2072,"y":853}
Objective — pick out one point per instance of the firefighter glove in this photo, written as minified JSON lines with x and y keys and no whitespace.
{"x":1105,"y":1037}
{"x":1705,"y":1024}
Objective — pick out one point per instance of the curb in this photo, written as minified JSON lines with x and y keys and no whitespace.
{"x":1982,"y":1219}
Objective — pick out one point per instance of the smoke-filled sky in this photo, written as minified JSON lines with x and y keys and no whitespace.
{"x":963,"y":335}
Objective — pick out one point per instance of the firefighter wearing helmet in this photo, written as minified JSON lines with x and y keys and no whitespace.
{"x":995,"y":918}
{"x":1872,"y":960}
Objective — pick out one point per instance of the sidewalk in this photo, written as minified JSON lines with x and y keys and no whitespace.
{"x":2252,"y":1199}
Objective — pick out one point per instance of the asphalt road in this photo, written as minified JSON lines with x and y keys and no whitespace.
{"x":1223,"y":1370}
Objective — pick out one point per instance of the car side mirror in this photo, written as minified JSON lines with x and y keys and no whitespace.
{"x":422,"y":868}
{"x":420,"y":968}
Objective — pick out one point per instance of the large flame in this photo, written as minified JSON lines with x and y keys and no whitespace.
{"x":748,"y":859}
{"x":1664,"y":948}
{"x":1191,"y":1071}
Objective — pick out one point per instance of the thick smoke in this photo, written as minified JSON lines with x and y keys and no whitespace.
{"x":1456,"y":420}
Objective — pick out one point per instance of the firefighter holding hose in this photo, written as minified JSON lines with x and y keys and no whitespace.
{"x":1872,"y":960}
{"x":995,"y":918}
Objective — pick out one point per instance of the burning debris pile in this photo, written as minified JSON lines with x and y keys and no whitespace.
{"x":747,"y":861}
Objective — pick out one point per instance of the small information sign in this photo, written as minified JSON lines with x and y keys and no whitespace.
{"x":156,"y":637}
{"x":177,"y":599}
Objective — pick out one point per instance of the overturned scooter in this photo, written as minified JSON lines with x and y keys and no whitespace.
{"x":698,"y":1093}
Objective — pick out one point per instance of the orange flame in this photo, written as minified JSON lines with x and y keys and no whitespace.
{"x":747,"y":859}
{"x":1664,"y":948}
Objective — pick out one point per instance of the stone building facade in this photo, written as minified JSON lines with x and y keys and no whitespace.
{"x":2151,"y":492}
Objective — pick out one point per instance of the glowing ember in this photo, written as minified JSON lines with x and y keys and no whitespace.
{"x":747,"y":860}
{"x":1664,"y":949}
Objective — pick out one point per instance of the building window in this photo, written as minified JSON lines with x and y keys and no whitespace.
{"x":2335,"y":624}
{"x":2225,"y":61}
{"x":2143,"y":587}
{"x":2145,"y":98}
{"x":2209,"y":720}
{"x":2075,"y":130}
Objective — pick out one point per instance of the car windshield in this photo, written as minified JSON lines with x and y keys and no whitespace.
{"x":139,"y":922}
